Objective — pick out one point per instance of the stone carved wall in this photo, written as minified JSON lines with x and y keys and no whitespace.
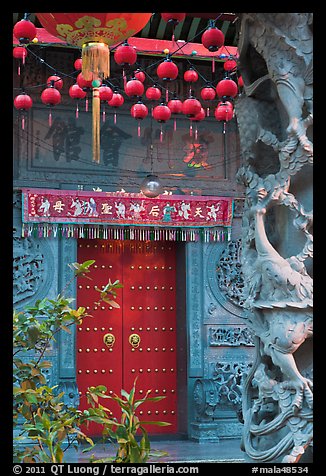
{"x":275,"y":124}
{"x":225,"y":343}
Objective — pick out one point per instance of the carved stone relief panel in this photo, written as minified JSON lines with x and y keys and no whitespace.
{"x":34,"y":270}
{"x":224,"y":296}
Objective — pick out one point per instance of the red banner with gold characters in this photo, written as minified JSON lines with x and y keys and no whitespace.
{"x":121,"y":215}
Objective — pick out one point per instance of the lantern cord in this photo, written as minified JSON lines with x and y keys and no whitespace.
{"x":96,"y":104}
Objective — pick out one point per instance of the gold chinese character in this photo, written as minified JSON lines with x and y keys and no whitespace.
{"x":58,"y":206}
{"x":155,"y":211}
{"x":106,"y":209}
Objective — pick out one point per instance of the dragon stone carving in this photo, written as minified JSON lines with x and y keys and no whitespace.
{"x":275,"y":123}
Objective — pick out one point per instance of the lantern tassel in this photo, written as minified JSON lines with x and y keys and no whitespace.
{"x":95,"y":60}
{"x":50,"y":118}
{"x":77,"y":111}
{"x":96,"y":104}
{"x":138,"y":129}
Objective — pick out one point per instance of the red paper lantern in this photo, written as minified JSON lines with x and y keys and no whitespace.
{"x":24,"y":31}
{"x":116,"y":101}
{"x":23,"y":102}
{"x":175,"y":106}
{"x":224,"y":111}
{"x":140,"y":75}
{"x":190,"y":75}
{"x":167,"y":70}
{"x":191,"y":107}
{"x":208,"y":93}
{"x":57,"y":82}
{"x":76,"y":92}
{"x":226,"y":88}
{"x":212,"y":39}
{"x":106,"y":93}
{"x":50,"y":97}
{"x":230,"y":65}
{"x":125,"y":55}
{"x":82,"y":82}
{"x":134,"y":87}
{"x":173,"y":17}
{"x":240,"y":82}
{"x":197,"y":118}
{"x":78,"y":64}
{"x":161,"y":113}
{"x":20,"y":52}
{"x":153,"y":93}
{"x":139,"y":111}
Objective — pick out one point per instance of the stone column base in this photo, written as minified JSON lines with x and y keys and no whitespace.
{"x":216,"y":430}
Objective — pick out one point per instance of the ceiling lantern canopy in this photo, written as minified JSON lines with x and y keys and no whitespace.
{"x":94,"y":33}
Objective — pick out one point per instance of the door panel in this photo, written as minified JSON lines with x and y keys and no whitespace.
{"x":144,"y":327}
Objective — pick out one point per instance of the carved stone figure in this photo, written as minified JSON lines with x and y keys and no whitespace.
{"x":275,"y":119}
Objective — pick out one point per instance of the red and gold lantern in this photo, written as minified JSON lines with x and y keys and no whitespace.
{"x":94,"y":33}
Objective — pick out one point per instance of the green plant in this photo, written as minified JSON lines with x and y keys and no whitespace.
{"x":130,"y":449}
{"x":38,"y":410}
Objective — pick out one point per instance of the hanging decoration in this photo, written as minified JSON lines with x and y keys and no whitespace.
{"x":116,"y":101}
{"x":24,"y":30}
{"x":57,"y":81}
{"x":191,"y":106}
{"x":76,"y":92}
{"x":139,"y":111}
{"x":23,"y":102}
{"x":20,"y":53}
{"x":94,"y":33}
{"x":175,"y":106}
{"x":106,"y":94}
{"x":134,"y":87}
{"x":161,"y":114}
{"x":226,"y":88}
{"x":51,"y":97}
{"x":78,"y":214}
{"x":175,"y":19}
{"x":151,"y":186}
{"x":208,"y":93}
{"x":125,"y":55}
{"x":140,"y":75}
{"x":230,"y":65}
{"x":200,"y":116}
{"x":78,"y":64}
{"x":212,"y":39}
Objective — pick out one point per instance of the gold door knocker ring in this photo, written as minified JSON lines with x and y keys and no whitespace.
{"x":134,"y":340}
{"x":109,"y":340}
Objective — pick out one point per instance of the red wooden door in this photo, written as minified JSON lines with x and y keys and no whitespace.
{"x":139,"y":339}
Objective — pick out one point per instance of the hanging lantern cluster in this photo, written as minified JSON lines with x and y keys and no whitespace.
{"x":85,"y":30}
